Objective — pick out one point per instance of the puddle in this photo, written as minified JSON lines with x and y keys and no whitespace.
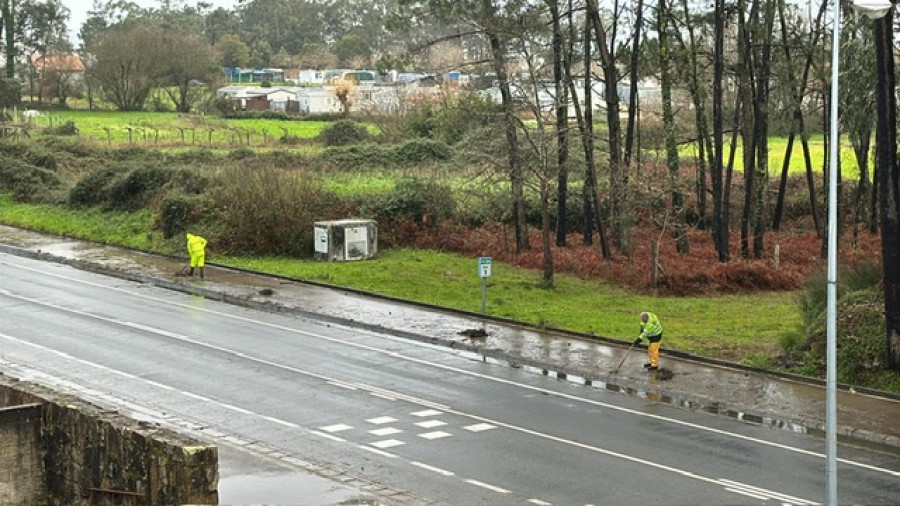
{"x":286,"y":488}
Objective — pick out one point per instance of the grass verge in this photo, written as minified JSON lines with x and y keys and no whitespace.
{"x":731,"y":327}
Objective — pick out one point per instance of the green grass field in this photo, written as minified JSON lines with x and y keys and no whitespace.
{"x":164,"y":128}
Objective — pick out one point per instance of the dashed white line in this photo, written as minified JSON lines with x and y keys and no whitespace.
{"x":383,"y":396}
{"x":377,"y":451}
{"x":195,"y":396}
{"x":328,"y":436}
{"x":281,"y":422}
{"x":539,"y":502}
{"x":235,"y":408}
{"x":430,"y":424}
{"x":434,"y":469}
{"x":381,"y":420}
{"x":487,"y":486}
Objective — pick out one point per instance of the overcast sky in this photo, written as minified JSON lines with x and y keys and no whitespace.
{"x":80,"y":9}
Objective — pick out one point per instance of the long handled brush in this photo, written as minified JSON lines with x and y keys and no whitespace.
{"x":623,"y":358}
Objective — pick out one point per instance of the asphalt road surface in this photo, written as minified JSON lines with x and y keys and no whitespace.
{"x":429,"y":424}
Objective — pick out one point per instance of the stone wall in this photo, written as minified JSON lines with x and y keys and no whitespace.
{"x":83,"y":447}
{"x":21,"y":472}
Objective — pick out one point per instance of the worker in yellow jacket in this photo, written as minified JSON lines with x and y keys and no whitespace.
{"x":196,"y":246}
{"x":651,"y":330}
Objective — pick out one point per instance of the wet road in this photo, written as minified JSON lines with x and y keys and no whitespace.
{"x":427,"y":424}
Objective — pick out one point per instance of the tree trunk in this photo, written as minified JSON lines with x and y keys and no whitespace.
{"x":562,"y":124}
{"x":517,"y":182}
{"x":593,"y":212}
{"x":761,"y":113}
{"x":748,"y":126}
{"x":633,"y":106}
{"x":889,"y":182}
{"x":617,"y":179}
{"x":547,"y":281}
{"x":798,"y":125}
{"x":720,"y":226}
{"x":672,"y":162}
{"x":8,"y":10}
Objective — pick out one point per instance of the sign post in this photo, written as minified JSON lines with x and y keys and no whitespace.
{"x":484,"y":272}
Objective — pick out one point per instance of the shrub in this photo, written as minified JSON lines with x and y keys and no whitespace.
{"x":265,"y":210}
{"x":26,"y":182}
{"x":74,"y":146}
{"x":134,"y":189}
{"x":861,"y":347}
{"x":357,"y":155}
{"x":416,"y":151}
{"x":344,"y":132}
{"x":93,"y":189}
{"x":31,"y":153}
{"x":417,"y":200}
{"x":177,"y":211}
{"x":67,"y":128}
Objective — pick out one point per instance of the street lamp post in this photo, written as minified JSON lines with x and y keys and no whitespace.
{"x":873,"y":9}
{"x":831,"y":313}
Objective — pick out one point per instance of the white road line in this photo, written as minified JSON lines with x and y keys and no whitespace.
{"x":432,"y":468}
{"x":749,"y":494}
{"x":769,"y":493}
{"x":341,"y":384}
{"x":235,"y":408}
{"x":328,"y":436}
{"x":383,"y":396}
{"x":487,"y":486}
{"x":281,"y":422}
{"x":377,"y":451}
{"x":539,"y":502}
{"x":195,"y":396}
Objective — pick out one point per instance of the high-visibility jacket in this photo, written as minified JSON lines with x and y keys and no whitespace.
{"x":652,"y":329}
{"x":196,"y":245}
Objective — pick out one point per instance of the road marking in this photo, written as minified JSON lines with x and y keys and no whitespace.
{"x":430,"y":424}
{"x":328,"y":436}
{"x":336,"y":428}
{"x":377,"y":451}
{"x":381,"y":420}
{"x":387,"y":431}
{"x":478,"y":427}
{"x":769,"y":494}
{"x":281,"y":422}
{"x":487,"y":486}
{"x":235,"y":408}
{"x":432,"y":468}
{"x":539,"y":502}
{"x":383,"y":396}
{"x":427,"y":412}
{"x":438,"y":434}
{"x":387,"y":443}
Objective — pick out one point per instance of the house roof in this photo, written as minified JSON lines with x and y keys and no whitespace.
{"x":59,"y":62}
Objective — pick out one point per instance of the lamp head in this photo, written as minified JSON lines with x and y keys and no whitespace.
{"x":873,"y":9}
